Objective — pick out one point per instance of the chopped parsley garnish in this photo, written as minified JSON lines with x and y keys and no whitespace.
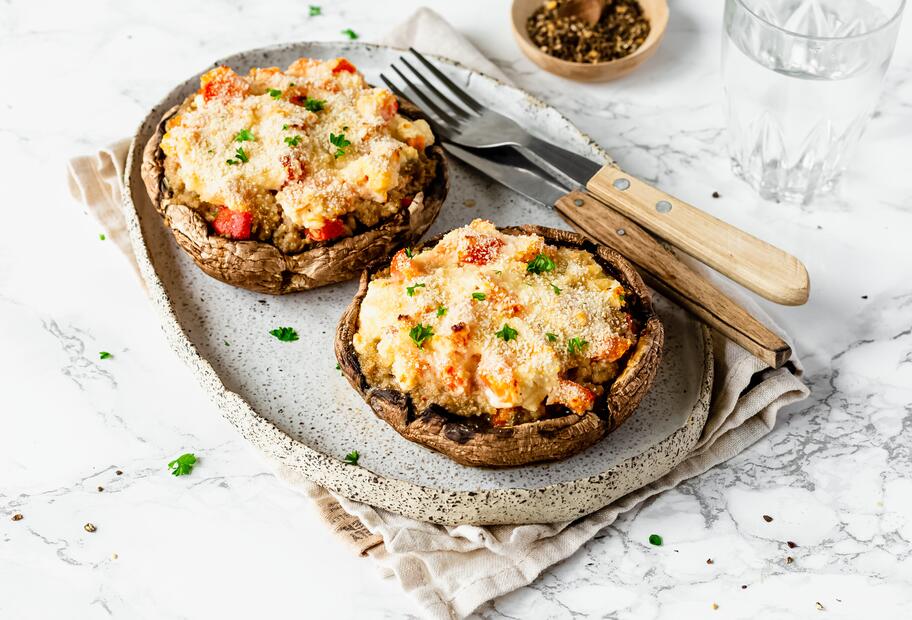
{"x":103,"y":355}
{"x":275,"y":93}
{"x":314,"y":105}
{"x":338,"y":367}
{"x":655,"y":539}
{"x":352,"y":457}
{"x":409,"y":253}
{"x":540,"y":264}
{"x":240,"y":155}
{"x":507,"y":333}
{"x":556,"y":290}
{"x":182,"y":465}
{"x":101,"y":237}
{"x":551,"y":337}
{"x":441,"y":310}
{"x":244,"y":135}
{"x":285,"y":334}
{"x":351,"y":34}
{"x":315,"y":10}
{"x":420,"y":333}
{"x":284,"y":127}
{"x":292,"y":140}
{"x":411,"y":289}
{"x":339,"y":142}
{"x":478,"y":296}
{"x":575,"y":345}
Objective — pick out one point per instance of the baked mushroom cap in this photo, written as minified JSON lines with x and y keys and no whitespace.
{"x":473,"y":441}
{"x":261,"y":266}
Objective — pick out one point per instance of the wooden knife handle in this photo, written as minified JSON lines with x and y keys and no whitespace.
{"x":763,"y":268}
{"x":671,"y":277}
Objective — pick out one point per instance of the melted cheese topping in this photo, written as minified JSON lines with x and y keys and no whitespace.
{"x":244,"y":136}
{"x":504,"y":341}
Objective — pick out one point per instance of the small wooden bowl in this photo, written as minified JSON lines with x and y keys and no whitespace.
{"x":656,"y":11}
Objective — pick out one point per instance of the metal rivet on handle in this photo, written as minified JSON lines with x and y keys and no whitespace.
{"x":621,"y":184}
{"x":621,"y":232}
{"x":663,"y":206}
{"x":578,"y":202}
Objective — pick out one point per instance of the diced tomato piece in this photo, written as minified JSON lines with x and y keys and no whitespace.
{"x":479,"y":250}
{"x":343,"y":65}
{"x":330,"y":230}
{"x":406,"y":202}
{"x":295,"y":167}
{"x":389,"y":106}
{"x":574,"y":396}
{"x":233,"y":224}
{"x":222,"y":82}
{"x":416,"y":142}
{"x":613,"y":350}
{"x":503,"y":417}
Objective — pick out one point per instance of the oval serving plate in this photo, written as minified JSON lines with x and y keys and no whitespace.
{"x":290,"y":401}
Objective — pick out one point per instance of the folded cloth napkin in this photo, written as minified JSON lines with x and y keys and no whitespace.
{"x":450,"y":571}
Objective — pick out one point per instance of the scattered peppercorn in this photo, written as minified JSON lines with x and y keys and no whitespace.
{"x":709,"y":561}
{"x":715,"y":606}
{"x":864,"y":296}
{"x":100,"y":489}
{"x":789,"y":559}
{"x":744,"y":587}
{"x":716,"y":195}
{"x":89,"y":527}
{"x":620,"y":31}
{"x":118,"y":472}
{"x":767,"y":518}
{"x":18,"y":516}
{"x":790,"y":544}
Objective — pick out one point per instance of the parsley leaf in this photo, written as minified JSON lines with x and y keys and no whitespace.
{"x":314,"y":105}
{"x":409,"y":253}
{"x":182,"y":465}
{"x":507,"y":333}
{"x":655,"y":539}
{"x":315,"y":10}
{"x":241,"y":156}
{"x":285,"y":334}
{"x":275,"y":93}
{"x":352,"y":457}
{"x":478,"y":296}
{"x":411,"y":289}
{"x":339,"y":142}
{"x":244,"y":135}
{"x":351,"y":34}
{"x":551,"y":337}
{"x":104,"y":355}
{"x":292,"y":140}
{"x":556,"y":290}
{"x":420,"y":333}
{"x":540,"y":264}
{"x":101,"y":237}
{"x":441,"y":310}
{"x":284,"y":127}
{"x":575,"y":345}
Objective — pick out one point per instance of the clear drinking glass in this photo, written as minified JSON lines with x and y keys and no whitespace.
{"x":802,"y":78}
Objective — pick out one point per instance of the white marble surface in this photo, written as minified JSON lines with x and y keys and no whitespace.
{"x":230,"y":541}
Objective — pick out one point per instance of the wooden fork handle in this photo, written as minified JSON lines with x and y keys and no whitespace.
{"x":671,"y":277}
{"x":751,"y":262}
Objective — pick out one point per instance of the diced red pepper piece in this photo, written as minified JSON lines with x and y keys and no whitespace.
{"x":233,"y":224}
{"x":222,"y":82}
{"x":479,"y":250}
{"x":330,"y":230}
{"x":344,"y":65}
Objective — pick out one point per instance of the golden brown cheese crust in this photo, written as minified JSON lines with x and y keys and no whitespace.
{"x":486,"y":323}
{"x":311,"y":153}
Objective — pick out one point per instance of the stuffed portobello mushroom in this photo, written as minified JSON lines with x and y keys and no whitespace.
{"x":279,"y":181}
{"x":501,"y":347}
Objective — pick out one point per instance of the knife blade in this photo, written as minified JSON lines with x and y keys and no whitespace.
{"x":661,"y":268}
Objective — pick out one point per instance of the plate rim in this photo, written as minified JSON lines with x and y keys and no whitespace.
{"x":296,"y":462}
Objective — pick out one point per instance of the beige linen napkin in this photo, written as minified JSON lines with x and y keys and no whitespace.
{"x":450,"y":571}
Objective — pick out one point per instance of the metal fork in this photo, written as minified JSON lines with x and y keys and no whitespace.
{"x":471,"y":124}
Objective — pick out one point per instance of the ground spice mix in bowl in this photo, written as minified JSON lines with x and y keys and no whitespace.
{"x":614,"y":40}
{"x":620,"y":31}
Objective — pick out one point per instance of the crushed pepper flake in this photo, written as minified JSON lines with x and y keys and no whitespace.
{"x":767,"y":518}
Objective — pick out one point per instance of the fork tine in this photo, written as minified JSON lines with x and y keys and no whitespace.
{"x":455,"y":107}
{"x":438,"y":126}
{"x":463,"y":96}
{"x":449,"y":120}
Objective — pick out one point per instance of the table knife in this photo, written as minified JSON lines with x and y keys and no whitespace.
{"x":660,"y":267}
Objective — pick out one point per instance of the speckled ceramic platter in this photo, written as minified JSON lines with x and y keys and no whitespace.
{"x":289,"y":400}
